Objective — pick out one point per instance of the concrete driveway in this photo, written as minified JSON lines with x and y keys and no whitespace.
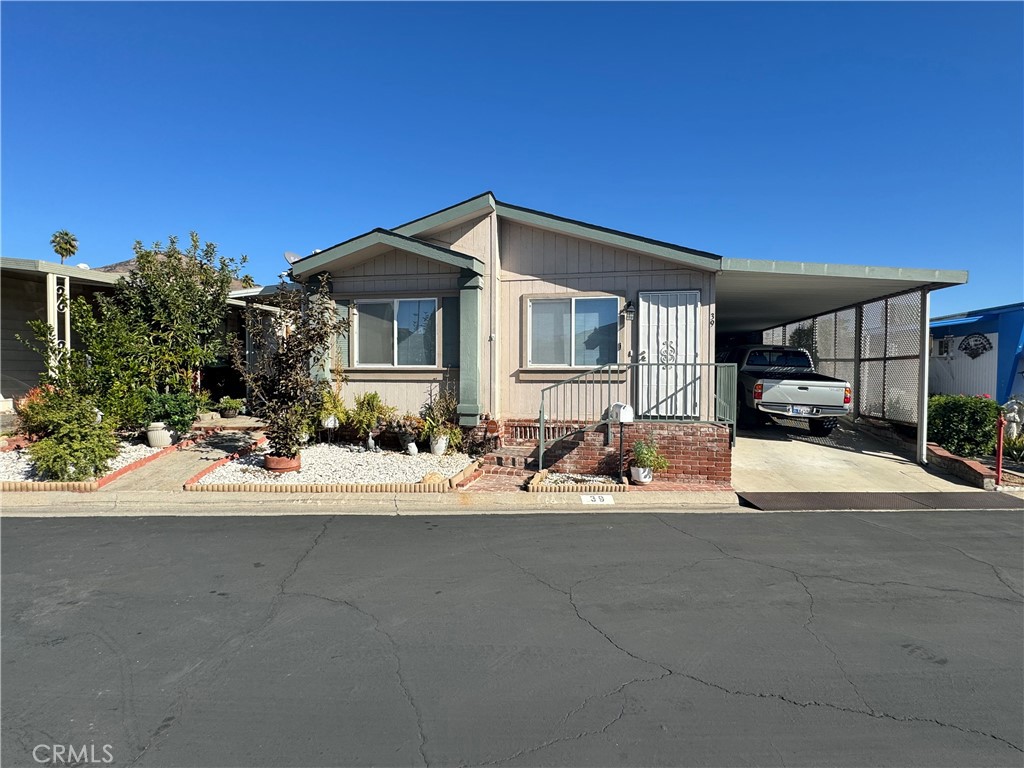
{"x":785,"y":457}
{"x":862,"y":639}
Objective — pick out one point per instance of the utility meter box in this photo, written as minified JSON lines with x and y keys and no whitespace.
{"x":621,"y":413}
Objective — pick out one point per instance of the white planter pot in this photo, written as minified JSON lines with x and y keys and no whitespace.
{"x":439,"y":444}
{"x":158,"y":435}
{"x":329,"y":422}
{"x":411,"y":448}
{"x":641,"y":475}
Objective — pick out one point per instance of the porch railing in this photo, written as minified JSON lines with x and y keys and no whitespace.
{"x":676,"y":392}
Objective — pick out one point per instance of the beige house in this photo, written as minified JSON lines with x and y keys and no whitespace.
{"x":503,"y":302}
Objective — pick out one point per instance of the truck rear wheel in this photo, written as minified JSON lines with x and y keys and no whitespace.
{"x":822,"y":427}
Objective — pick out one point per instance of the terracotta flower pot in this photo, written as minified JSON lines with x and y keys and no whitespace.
{"x":274,"y":463}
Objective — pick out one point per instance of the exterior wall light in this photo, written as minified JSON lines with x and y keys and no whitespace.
{"x":628,"y":312}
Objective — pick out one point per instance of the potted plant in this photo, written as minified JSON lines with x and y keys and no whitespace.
{"x":333,"y":413}
{"x":646,"y":461}
{"x":442,"y":435}
{"x":284,"y":374}
{"x":230,"y":406}
{"x":170,"y":415}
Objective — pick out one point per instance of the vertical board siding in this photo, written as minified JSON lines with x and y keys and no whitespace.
{"x":958,"y":374}
{"x":408,"y":396}
{"x":530,"y":265}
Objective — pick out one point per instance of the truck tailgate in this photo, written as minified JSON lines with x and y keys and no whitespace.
{"x":801,"y":392}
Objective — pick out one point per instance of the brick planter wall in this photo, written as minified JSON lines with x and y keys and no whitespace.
{"x":697,"y":453}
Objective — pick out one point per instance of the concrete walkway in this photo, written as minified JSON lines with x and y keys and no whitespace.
{"x":169,"y":473}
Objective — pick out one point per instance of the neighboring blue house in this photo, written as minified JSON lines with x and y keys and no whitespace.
{"x":980,"y":352}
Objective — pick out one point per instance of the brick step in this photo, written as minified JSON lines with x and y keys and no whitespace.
{"x":518,"y":456}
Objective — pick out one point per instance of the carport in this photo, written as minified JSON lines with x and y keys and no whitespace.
{"x":868,"y":325}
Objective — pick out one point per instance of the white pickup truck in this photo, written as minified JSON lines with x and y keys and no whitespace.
{"x":780,"y":381}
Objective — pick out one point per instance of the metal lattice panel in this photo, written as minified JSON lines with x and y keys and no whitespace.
{"x":872,"y":334}
{"x":871,"y":396}
{"x":903,"y":325}
{"x":846,"y":334}
{"x":901,"y":386}
{"x":825,"y":336}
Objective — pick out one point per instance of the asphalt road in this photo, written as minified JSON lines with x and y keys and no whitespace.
{"x":817,"y":639}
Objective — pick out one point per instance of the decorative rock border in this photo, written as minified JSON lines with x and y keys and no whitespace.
{"x":536,"y":485}
{"x":88,"y":486}
{"x":446,"y":486}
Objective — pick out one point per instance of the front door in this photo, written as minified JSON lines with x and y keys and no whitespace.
{"x":669,"y":378}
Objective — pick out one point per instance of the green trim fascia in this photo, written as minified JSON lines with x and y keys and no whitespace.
{"x":483,"y":203}
{"x":319,"y":261}
{"x":921,"y":277}
{"x":661,"y":250}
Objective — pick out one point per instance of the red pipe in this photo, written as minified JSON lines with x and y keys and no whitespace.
{"x":999,"y":448}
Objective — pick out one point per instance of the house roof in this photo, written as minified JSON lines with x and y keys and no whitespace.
{"x":485,"y":203}
{"x":977,"y":313}
{"x":377,"y":241}
{"x":751,"y":295}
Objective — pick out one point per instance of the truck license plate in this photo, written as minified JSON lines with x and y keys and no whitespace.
{"x":800,"y":410}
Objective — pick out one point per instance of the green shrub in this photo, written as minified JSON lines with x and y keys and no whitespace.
{"x":369,"y":413}
{"x":963,"y":424}
{"x":178,"y":410}
{"x":1013,"y":448}
{"x":78,"y":446}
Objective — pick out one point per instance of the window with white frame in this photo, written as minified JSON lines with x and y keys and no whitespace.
{"x":396,"y":332}
{"x":573,"y":332}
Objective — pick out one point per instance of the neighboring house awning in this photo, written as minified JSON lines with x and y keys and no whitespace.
{"x":754,"y":295}
{"x":961,"y":321}
{"x":359,"y":249}
{"x":76,"y":273}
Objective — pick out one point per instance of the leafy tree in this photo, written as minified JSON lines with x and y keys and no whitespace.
{"x":289,"y":339}
{"x":180,"y":296}
{"x":64,"y":244}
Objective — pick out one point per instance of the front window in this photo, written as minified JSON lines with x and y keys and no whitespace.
{"x":574,"y":332}
{"x":397,"y":332}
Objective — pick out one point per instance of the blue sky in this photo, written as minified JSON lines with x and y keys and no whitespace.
{"x":860,"y":133}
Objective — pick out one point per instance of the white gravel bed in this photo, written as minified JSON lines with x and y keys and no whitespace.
{"x":560,"y":478}
{"x":334,"y":464}
{"x":16,"y":465}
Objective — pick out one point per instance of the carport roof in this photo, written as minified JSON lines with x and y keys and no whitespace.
{"x":756,"y":295}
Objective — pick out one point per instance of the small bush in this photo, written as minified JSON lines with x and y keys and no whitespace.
{"x":963,"y":424}
{"x":369,"y":413}
{"x":78,"y":446}
{"x":1013,"y":448}
{"x":39,"y":411}
{"x":177,"y":410}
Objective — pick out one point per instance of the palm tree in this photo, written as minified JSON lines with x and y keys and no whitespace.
{"x":64,"y":244}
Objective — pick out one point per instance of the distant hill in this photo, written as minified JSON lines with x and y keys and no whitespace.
{"x":124,"y":267}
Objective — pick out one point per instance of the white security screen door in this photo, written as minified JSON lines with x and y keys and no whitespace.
{"x":669,"y":379}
